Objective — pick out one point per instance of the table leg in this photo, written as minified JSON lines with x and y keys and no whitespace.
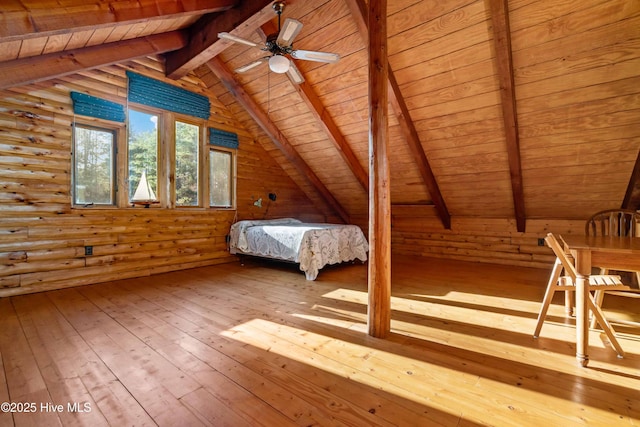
{"x":583,"y":268}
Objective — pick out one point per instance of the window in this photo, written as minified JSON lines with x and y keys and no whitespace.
{"x":220,"y":178}
{"x":158,"y":158}
{"x":143,"y":150}
{"x":187,"y":143}
{"x":94,"y":165}
{"x":222,"y":148}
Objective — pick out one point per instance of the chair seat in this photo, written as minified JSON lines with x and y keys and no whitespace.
{"x":608,"y":282}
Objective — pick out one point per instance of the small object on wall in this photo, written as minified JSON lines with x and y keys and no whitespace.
{"x":258,"y":202}
{"x":272,"y":197}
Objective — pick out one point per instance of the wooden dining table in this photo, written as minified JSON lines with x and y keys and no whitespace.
{"x":614,"y":253}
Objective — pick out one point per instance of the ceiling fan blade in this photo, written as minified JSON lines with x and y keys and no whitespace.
{"x":310,"y":55}
{"x":289,"y":31}
{"x":294,"y":74}
{"x":236,"y":39}
{"x":251,"y":65}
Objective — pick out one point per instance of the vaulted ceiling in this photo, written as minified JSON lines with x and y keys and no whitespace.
{"x":520,"y":109}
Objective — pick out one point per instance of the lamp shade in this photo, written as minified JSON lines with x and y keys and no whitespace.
{"x":279,"y":64}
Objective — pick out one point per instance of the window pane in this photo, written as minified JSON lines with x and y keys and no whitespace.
{"x":187,"y":143}
{"x":220,"y":178}
{"x":143,"y":152}
{"x":94,"y":166}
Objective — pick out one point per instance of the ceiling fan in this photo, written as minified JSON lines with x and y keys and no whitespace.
{"x":280,"y":45}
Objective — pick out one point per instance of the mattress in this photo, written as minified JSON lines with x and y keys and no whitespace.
{"x":312,"y":245}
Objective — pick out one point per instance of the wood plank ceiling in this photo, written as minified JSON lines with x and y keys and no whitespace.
{"x":521,"y":109}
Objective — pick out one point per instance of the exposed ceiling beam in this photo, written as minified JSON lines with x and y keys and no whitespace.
{"x":280,"y":141}
{"x":502,"y":44}
{"x":323,"y":118}
{"x":39,"y":18}
{"x":411,"y":135}
{"x":359,"y":12}
{"x":204,"y":43}
{"x":44,"y":67}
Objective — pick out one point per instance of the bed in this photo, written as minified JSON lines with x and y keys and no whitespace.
{"x":309,"y":244}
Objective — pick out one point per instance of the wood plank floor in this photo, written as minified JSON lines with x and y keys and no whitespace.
{"x":258,"y":345}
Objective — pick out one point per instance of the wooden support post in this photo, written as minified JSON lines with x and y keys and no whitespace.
{"x":379,"y":281}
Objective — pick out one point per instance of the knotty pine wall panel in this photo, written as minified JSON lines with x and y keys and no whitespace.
{"x":43,"y":239}
{"x":576,"y":74}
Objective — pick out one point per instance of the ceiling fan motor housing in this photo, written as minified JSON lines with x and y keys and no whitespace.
{"x":273,"y":46}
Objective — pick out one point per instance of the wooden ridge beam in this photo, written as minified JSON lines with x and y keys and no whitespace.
{"x":204,"y":43}
{"x":281,"y":142}
{"x":38,"y":68}
{"x":39,"y":19}
{"x":358,"y":11}
{"x":502,"y":45}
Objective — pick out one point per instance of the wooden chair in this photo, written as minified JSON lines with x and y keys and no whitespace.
{"x":614,"y":222}
{"x":558,"y":282}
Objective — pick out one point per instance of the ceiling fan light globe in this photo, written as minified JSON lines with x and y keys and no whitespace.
{"x":279,"y":64}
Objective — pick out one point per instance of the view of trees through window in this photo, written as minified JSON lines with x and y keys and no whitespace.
{"x":95,"y":174}
{"x":143,"y":150}
{"x":187,"y":165}
{"x":220,"y":173}
{"x":94,"y":161}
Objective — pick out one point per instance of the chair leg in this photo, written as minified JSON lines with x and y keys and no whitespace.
{"x":569,"y":303}
{"x":598,"y":298}
{"x":606,"y":326}
{"x":548,"y":296}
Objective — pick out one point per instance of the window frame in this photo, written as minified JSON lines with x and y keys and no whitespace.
{"x":202,"y":172}
{"x":166,"y":190}
{"x":115,"y":161}
{"x":160,"y":153}
{"x":232,"y":176}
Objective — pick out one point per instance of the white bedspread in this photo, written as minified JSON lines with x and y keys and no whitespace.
{"x":311,"y":245}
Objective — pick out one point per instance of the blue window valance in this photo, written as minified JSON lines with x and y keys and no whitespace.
{"x":154,"y":93}
{"x":87,"y":105}
{"x":222,"y":138}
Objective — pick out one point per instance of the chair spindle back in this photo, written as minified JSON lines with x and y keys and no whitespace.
{"x":613,"y":222}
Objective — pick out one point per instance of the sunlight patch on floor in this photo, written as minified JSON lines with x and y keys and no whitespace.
{"x":481,"y":315}
{"x":328,"y":354}
{"x":428,"y":383}
{"x":438,"y":322}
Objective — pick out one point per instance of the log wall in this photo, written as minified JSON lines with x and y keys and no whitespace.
{"x":418,"y":232}
{"x":43,"y":239}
